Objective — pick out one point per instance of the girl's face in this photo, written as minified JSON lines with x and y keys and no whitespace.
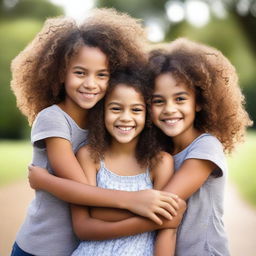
{"x":125,"y":113}
{"x":86,"y":78}
{"x":174,"y":108}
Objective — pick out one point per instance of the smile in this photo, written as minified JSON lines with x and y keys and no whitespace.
{"x":89,"y":95}
{"x":125,"y":129}
{"x":171,"y":121}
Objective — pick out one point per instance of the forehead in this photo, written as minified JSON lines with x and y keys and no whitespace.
{"x":167,"y":84}
{"x":124,"y":94}
{"x":92,"y":56}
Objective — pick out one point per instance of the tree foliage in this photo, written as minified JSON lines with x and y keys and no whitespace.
{"x":18,"y":25}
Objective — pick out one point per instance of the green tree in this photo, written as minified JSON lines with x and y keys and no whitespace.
{"x":18,"y":25}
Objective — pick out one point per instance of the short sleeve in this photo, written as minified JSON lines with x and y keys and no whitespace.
{"x":50,"y":123}
{"x":209,"y":148}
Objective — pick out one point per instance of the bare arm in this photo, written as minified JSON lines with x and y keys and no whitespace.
{"x":166,"y":238}
{"x":86,"y":227}
{"x":95,"y":229}
{"x":186,"y":181}
{"x":135,"y":225}
{"x":147,"y":203}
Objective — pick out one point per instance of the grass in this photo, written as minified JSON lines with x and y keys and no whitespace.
{"x":16,"y":155}
{"x":242,"y":168}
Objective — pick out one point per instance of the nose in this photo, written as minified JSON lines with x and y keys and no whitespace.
{"x":125,"y":116}
{"x":170,"y":108}
{"x":89,"y":83}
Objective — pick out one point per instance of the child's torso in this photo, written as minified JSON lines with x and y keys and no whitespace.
{"x":47,"y":229}
{"x":137,"y":245}
{"x":202,"y":231}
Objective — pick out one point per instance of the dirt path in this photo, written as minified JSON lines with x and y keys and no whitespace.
{"x":240,"y":219}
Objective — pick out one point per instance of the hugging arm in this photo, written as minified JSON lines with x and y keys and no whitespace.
{"x":74,"y":187}
{"x":89,"y":228}
{"x":186,"y":181}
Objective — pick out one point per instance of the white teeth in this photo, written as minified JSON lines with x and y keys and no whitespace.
{"x":89,"y":95}
{"x":125,"y":128}
{"x":171,"y":121}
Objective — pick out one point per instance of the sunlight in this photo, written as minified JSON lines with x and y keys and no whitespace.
{"x":197,"y":13}
{"x":175,"y":11}
{"x":75,"y":8}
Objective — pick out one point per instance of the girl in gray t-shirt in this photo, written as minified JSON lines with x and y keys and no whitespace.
{"x":198,"y":109}
{"x":56,"y":79}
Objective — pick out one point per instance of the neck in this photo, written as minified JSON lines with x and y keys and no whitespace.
{"x":78,"y":114}
{"x":128,"y":149}
{"x":181,"y":142}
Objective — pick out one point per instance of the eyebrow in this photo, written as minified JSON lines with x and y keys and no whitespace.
{"x":175,"y":94}
{"x":133,"y":105}
{"x":79,"y":67}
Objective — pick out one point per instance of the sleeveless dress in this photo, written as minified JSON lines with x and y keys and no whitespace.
{"x":137,"y":245}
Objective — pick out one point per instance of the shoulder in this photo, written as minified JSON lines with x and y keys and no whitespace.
{"x":162,"y":158}
{"x":49,"y":115}
{"x":50,"y":122}
{"x":206,"y":144}
{"x":84,"y":152}
{"x":206,"y":140}
{"x":162,"y":165}
{"x":207,"y":147}
{"x":84,"y":155}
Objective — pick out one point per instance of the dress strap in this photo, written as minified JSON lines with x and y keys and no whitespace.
{"x":148,"y":176}
{"x":102,"y":163}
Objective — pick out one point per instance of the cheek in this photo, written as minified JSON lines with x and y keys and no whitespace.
{"x":142,"y":120}
{"x":155,"y":112}
{"x":104,"y":86}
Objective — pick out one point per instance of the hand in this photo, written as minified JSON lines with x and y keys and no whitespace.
{"x":149,"y":203}
{"x":175,"y":222}
{"x":36,"y":175}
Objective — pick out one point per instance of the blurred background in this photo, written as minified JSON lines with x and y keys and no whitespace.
{"x":228,"y":25}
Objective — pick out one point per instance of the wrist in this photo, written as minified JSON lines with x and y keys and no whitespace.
{"x":127,"y":200}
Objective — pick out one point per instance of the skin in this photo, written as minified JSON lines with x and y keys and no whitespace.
{"x":86,"y":81}
{"x":125,"y":113}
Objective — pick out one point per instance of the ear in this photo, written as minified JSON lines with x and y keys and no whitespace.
{"x":198,"y":108}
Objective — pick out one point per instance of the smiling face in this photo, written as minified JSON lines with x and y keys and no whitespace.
{"x":86,"y":78}
{"x":174,"y":108}
{"x":125,"y":113}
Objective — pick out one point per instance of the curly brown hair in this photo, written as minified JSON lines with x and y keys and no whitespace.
{"x":99,"y":139}
{"x":38,"y":69}
{"x":215,"y":82}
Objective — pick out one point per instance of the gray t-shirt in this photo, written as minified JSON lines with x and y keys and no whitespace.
{"x":202,"y":232}
{"x":47,"y":229}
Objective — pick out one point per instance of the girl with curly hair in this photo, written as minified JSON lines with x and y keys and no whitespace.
{"x":198,"y":106}
{"x":121,"y":154}
{"x":62,"y":74}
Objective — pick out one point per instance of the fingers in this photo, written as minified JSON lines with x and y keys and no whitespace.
{"x":155,"y":219}
{"x":171,"y":200}
{"x":164,"y":213}
{"x":169,"y":195}
{"x":168,"y":208}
